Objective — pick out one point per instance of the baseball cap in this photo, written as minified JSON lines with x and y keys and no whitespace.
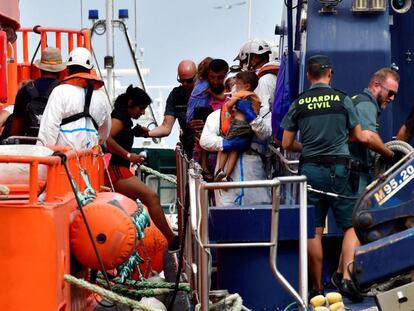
{"x":322,"y":60}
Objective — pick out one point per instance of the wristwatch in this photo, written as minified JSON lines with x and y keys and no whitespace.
{"x":128,"y":155}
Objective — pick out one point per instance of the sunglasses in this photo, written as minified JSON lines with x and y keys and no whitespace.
{"x":188,"y":81}
{"x":391,"y":93}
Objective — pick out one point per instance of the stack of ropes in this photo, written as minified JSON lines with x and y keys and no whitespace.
{"x":400,"y":149}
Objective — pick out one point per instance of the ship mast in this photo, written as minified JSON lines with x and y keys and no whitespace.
{"x":109,"y":58}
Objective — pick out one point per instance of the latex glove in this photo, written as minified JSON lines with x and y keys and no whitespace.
{"x":236,"y":143}
{"x":140,"y":131}
{"x":245,"y":106}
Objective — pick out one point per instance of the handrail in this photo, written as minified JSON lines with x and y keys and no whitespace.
{"x":19,"y":70}
{"x":287,"y":163}
{"x":57,"y":183}
{"x":82,"y":37}
{"x":199,"y":198}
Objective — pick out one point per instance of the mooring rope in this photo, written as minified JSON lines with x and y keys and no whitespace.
{"x":150,"y":284}
{"x":149,"y":170}
{"x":107,"y":294}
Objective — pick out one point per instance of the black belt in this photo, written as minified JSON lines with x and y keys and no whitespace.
{"x":326,"y":160}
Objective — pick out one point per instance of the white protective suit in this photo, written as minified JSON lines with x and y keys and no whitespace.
{"x":249,"y":165}
{"x":67,"y":100}
{"x":262,"y":125}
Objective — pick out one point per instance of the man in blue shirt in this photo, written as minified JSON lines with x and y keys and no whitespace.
{"x":176,"y":107}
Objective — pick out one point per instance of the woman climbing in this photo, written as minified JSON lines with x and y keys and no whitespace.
{"x":132,"y":105}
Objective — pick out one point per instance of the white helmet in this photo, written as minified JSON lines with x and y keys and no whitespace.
{"x":254,"y":46}
{"x":243,"y":53}
{"x":81,"y":57}
{"x":257,"y":46}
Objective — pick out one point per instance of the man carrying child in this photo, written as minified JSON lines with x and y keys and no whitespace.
{"x":233,"y":122}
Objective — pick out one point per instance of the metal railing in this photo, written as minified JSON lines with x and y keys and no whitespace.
{"x":183,"y":166}
{"x":199,"y":227}
{"x":290,"y":165}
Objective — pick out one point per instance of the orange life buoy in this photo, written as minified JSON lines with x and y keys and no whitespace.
{"x":109,"y":218}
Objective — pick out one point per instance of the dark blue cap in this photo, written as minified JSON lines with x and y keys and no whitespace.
{"x":322,"y":60}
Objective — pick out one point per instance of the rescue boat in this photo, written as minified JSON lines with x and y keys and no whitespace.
{"x":60,"y":226}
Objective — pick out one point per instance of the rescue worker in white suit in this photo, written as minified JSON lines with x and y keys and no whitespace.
{"x":254,"y":55}
{"x":65,"y":120}
{"x":249,"y":165}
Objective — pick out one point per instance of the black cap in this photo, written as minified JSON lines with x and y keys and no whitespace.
{"x":322,"y":60}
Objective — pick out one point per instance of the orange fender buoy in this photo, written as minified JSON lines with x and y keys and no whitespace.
{"x":152,"y":248}
{"x":109,"y":218}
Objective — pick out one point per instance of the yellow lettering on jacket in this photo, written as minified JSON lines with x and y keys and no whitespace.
{"x":319,"y":102}
{"x":319,"y":105}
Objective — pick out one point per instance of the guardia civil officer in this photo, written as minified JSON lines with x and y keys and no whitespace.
{"x":325,"y":117}
{"x":381,"y":91}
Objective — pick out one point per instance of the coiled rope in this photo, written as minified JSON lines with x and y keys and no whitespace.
{"x":232,"y":302}
{"x":135,"y":293}
{"x":400,"y":149}
{"x":141,"y":220}
{"x":107,"y":294}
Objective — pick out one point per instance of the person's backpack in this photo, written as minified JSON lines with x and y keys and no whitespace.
{"x":36,"y":107}
{"x":6,"y":128}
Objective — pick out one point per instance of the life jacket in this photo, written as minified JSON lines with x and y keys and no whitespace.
{"x":81,"y":79}
{"x":90,"y":83}
{"x":269,"y":68}
{"x":227,"y":116}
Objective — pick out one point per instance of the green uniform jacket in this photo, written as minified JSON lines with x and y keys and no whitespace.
{"x":368,"y":112}
{"x":323,"y":115}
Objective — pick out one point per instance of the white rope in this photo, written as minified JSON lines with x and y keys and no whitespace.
{"x":108,"y":294}
{"x":233,"y":301}
{"x":149,"y":170}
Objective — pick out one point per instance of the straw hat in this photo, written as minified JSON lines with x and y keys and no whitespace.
{"x":50,"y":60}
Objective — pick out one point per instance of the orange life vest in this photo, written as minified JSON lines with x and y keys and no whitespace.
{"x":270,"y":68}
{"x":227,"y":115}
{"x":81,"y":79}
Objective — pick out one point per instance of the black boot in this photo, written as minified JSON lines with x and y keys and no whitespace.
{"x":348,"y":289}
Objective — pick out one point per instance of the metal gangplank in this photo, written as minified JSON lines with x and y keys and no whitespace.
{"x":197,"y":238}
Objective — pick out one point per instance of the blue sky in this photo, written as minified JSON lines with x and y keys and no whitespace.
{"x":168,"y":31}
